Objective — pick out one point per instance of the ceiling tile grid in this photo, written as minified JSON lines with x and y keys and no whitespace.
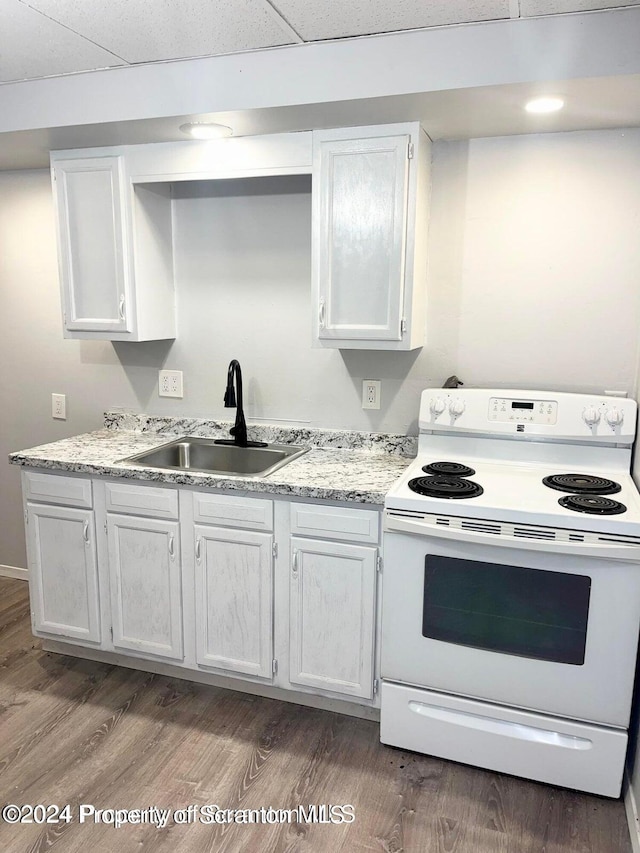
{"x":340,"y":19}
{"x":32,"y":45}
{"x":152,"y":30}
{"x":530,"y":8}
{"x":40,"y":38}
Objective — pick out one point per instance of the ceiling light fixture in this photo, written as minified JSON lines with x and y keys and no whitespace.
{"x":205,"y":130}
{"x":544,"y":105}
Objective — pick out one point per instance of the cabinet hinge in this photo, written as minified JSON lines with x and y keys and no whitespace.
{"x":376,"y":685}
{"x":274,"y":666}
{"x":403,"y":325}
{"x":274,"y":549}
{"x":378,"y":563}
{"x":410,"y":151}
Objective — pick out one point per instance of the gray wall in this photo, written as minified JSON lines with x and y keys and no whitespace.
{"x":532,"y":283}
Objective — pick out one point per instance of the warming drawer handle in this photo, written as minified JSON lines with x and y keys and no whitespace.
{"x":601,"y":550}
{"x":494,"y":726}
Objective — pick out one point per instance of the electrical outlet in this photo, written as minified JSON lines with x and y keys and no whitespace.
{"x":371,"y":394}
{"x":170,"y":383}
{"x":59,"y":406}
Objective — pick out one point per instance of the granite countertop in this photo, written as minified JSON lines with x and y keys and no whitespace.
{"x":340,"y":465}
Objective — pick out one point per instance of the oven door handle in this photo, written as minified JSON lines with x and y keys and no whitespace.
{"x":603,"y":550}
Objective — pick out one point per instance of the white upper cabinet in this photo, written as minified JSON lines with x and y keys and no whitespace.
{"x":370,"y":198}
{"x":114,"y":251}
{"x":115,"y":234}
{"x":92,"y":244}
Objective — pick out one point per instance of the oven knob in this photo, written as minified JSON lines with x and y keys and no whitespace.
{"x":591,"y":416}
{"x":614,"y":417}
{"x":437,"y":406}
{"x":456,"y":408}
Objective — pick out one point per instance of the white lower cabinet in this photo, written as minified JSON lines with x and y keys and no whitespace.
{"x":146,"y":585}
{"x":63,"y":571}
{"x":279,"y":593}
{"x":234,"y":600}
{"x":332,"y":616}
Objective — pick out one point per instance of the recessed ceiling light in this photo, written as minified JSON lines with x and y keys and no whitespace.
{"x":544,"y":105}
{"x":205,"y":130}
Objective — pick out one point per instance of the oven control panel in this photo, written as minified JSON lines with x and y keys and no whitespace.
{"x":557,"y":416}
{"x":523,"y":411}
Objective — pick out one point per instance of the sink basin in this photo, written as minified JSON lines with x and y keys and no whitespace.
{"x":204,"y":455}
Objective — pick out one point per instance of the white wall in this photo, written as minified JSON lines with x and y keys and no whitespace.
{"x":533,"y":282}
{"x":535,"y":259}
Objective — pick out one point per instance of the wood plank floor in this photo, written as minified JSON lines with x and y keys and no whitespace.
{"x":77,"y":732}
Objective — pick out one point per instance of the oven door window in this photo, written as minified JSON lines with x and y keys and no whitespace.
{"x":508,"y":609}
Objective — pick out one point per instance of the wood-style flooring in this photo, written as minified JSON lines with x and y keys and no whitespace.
{"x":75,"y":732}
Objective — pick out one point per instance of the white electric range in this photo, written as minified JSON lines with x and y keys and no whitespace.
{"x":511,"y":591}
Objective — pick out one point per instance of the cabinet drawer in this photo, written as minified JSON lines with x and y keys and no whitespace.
{"x":141,"y":500}
{"x":54,"y":489}
{"x":334,"y":522}
{"x":231,"y":511}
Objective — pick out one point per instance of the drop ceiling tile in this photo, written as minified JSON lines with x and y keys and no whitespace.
{"x":338,"y":18}
{"x":147,"y":30}
{"x":529,"y":8}
{"x":32,"y":45}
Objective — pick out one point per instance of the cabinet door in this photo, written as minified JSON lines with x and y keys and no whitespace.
{"x":91,"y":243}
{"x":146,"y":585}
{"x":63,"y":571}
{"x":359,"y":237}
{"x":332,"y":613}
{"x":234,"y":600}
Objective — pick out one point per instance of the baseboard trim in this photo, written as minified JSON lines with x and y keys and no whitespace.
{"x":631,"y":808}
{"x":14,"y":572}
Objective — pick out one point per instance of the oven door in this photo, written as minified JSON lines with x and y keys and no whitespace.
{"x":524,"y":626}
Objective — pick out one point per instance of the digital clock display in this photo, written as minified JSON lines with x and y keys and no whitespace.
{"x":522,"y":405}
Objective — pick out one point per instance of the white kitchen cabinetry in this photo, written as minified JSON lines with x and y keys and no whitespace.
{"x":233,"y":550}
{"x":114,"y":250}
{"x":62,"y":558}
{"x":332,"y":602}
{"x":279,"y":593}
{"x":332,"y":612}
{"x":234,"y":600}
{"x":370,"y":200}
{"x":144,"y":569}
{"x":146,"y":585}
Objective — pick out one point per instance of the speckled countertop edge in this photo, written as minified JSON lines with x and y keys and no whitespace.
{"x":340,"y":465}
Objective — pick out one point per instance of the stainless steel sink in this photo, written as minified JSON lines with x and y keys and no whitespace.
{"x":204,"y":455}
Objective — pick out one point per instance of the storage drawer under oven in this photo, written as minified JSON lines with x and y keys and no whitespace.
{"x":548,"y":749}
